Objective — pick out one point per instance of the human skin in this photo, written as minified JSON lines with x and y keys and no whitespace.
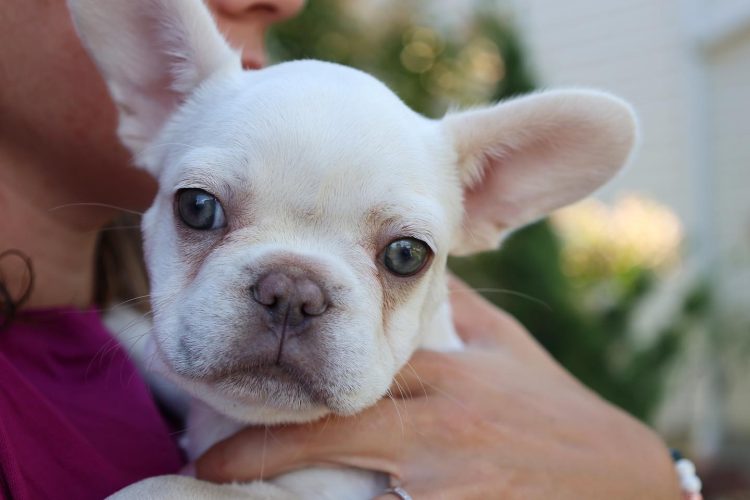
{"x":58,"y":145}
{"x":501,"y":419}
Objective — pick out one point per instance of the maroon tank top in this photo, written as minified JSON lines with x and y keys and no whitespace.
{"x":76,"y":419}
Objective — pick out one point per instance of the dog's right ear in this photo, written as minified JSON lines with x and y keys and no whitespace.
{"x":151,"y":53}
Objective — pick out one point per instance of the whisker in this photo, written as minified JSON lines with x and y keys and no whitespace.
{"x":419,"y":379}
{"x":510,"y":292}
{"x":94,"y":204}
{"x":448,"y":395}
{"x":401,"y":391}
{"x":112,"y":344}
{"x":390,"y":396}
{"x":112,"y":228}
{"x":263,"y":453}
{"x":163,"y":144}
{"x":105,"y":309}
{"x":129,"y":343}
{"x":100,"y":354}
{"x":134,"y":299}
{"x":325,"y":424}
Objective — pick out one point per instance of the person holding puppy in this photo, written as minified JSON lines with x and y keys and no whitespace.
{"x":533,"y":432}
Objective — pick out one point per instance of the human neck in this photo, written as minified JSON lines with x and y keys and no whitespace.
{"x":62,"y":253}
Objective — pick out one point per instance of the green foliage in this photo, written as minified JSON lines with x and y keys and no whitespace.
{"x":525,"y":278}
{"x":430,"y":69}
{"x":426,"y":67}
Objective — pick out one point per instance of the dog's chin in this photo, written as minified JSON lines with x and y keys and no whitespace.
{"x":262,"y":394}
{"x":258,"y":412}
{"x":272,"y":395}
{"x":275,"y":385}
{"x":266,"y":395}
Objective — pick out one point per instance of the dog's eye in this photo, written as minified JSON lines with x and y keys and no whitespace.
{"x":406,"y":256}
{"x":200,"y":209}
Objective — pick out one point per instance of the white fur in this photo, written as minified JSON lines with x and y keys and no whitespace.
{"x":306,"y":158}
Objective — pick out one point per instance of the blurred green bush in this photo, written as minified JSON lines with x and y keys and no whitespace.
{"x":433,"y":67}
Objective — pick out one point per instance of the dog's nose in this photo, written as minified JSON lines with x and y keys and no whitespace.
{"x":290,"y":299}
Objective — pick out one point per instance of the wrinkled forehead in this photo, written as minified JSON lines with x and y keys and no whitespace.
{"x":331,"y":142}
{"x":318,"y":115}
{"x":325,"y":116}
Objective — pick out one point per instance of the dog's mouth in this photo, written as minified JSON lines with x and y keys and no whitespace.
{"x":279,"y":385}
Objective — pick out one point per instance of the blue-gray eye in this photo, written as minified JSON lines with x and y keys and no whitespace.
{"x":200,"y":209}
{"x":406,"y":256}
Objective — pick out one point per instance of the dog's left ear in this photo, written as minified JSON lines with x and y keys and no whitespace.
{"x":525,"y":157}
{"x":151,"y":53}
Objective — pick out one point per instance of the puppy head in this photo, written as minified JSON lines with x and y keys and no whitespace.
{"x":297,"y":244}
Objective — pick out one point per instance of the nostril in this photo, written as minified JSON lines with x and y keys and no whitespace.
{"x":314,"y":308}
{"x":266,"y":299}
{"x":312,"y":300}
{"x":272,"y":290}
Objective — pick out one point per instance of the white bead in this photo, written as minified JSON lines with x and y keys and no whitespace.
{"x":691,"y":484}
{"x":685,"y":467}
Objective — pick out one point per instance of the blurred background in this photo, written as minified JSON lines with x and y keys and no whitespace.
{"x":644,"y":291}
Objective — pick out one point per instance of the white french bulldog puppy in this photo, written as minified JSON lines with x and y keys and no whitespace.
{"x":297,"y":245}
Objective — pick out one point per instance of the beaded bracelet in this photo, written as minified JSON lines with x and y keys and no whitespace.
{"x":690,"y":483}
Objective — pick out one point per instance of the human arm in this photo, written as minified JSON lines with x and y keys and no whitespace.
{"x":501,"y":418}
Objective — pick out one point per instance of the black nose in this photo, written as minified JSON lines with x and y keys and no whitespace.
{"x":290,"y":300}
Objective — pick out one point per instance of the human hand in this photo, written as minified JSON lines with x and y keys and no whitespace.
{"x":500,"y":419}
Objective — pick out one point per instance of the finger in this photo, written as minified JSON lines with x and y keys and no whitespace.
{"x":477,"y":320}
{"x":374,"y":440}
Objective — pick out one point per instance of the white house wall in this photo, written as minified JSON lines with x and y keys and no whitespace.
{"x":694,"y":107}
